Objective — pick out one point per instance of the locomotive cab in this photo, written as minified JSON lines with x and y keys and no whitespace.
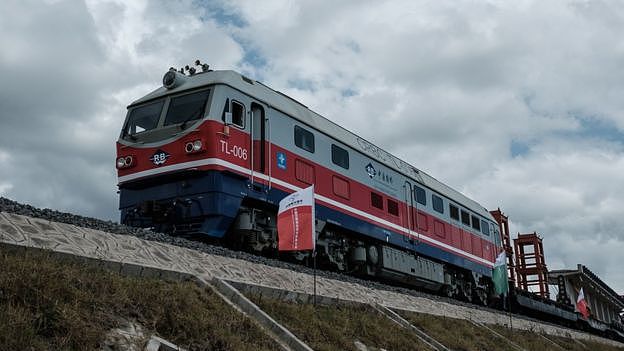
{"x":173,"y":147}
{"x":161,"y":152}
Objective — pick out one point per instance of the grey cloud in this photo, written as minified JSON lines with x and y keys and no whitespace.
{"x":61,"y":182}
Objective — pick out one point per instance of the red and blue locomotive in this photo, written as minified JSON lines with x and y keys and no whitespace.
{"x":211,"y":153}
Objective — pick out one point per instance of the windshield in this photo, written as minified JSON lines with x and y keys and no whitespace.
{"x":157,"y":120}
{"x":144,"y":118}
{"x":186,"y":108}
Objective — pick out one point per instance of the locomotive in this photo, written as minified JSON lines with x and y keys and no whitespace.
{"x":211,"y":153}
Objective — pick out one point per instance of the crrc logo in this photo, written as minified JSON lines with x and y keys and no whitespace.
{"x":371,"y":170}
{"x":379,"y":175}
{"x":159,"y":157}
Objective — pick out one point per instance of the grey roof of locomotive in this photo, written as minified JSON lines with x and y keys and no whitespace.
{"x":279,"y":101}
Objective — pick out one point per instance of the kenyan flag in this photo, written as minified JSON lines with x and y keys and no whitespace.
{"x":499,"y":275}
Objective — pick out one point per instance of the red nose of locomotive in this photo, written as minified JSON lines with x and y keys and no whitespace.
{"x":164,"y":130}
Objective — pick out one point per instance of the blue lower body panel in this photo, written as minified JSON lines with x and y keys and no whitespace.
{"x":206,"y":202}
{"x":210,"y":200}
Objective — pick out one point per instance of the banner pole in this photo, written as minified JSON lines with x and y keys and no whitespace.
{"x":509,"y":309}
{"x":314,"y":270}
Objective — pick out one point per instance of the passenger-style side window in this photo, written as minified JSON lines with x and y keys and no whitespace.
{"x":476,"y":223}
{"x":340,"y":156}
{"x":454,"y":211}
{"x":465,"y":217}
{"x":420,"y":195}
{"x":304,"y":139}
{"x":438,"y":205}
{"x":485,"y":227}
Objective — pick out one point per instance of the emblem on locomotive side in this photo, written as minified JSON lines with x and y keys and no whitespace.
{"x":380,"y":176}
{"x":159,"y":157}
{"x":281,"y":160}
{"x":371,"y":170}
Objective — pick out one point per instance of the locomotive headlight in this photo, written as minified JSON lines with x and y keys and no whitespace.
{"x":188,"y":148}
{"x":169,"y":79}
{"x":121,"y":162}
{"x":173,"y":79}
{"x":125,"y":162}
{"x":194,"y":146}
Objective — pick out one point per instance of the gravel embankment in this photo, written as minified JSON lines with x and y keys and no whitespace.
{"x":10,"y":206}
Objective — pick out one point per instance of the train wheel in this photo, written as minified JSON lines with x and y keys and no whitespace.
{"x":466,"y":290}
{"x":481,"y":297}
{"x":448,"y":291}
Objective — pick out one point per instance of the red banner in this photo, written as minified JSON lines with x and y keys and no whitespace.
{"x":295,"y":221}
{"x":581,"y":304}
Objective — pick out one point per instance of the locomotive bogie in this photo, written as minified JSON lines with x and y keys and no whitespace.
{"x":254,"y":230}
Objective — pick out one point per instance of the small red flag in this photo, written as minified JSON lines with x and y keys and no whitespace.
{"x":581,"y":304}
{"x":295,"y":221}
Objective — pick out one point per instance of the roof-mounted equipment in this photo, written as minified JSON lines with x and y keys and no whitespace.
{"x":204,"y":66}
{"x":173,"y":79}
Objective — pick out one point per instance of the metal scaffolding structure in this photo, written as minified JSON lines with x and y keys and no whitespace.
{"x":531,"y":268}
{"x":503,"y":226}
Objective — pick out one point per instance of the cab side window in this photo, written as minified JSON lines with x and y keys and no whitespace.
{"x":238,"y":114}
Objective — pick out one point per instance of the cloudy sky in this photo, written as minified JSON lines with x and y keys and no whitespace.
{"x":518,"y":104}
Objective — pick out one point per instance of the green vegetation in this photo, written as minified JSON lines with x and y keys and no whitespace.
{"x":526,"y":339}
{"x":457,"y":334}
{"x":46,"y":303}
{"x":582,"y":345}
{"x":338,"y":327}
{"x":532,"y":340}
